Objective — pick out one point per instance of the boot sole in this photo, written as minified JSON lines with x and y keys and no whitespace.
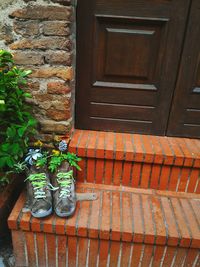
{"x":65,"y":214}
{"x":42,"y":215}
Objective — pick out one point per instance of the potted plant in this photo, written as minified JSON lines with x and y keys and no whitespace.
{"x":51,"y":170}
{"x":16,"y":126}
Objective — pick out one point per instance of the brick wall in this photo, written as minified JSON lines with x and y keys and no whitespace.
{"x":41,"y":35}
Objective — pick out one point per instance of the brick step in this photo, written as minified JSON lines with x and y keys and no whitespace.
{"x":123,"y":227}
{"x":140,"y":161}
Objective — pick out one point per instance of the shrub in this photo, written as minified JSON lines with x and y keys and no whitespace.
{"x":16,"y":122}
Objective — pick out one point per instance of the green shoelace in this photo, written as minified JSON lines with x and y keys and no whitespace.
{"x":39,"y":182}
{"x":65,"y":180}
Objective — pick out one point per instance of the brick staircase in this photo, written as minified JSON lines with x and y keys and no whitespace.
{"x":147,"y":212}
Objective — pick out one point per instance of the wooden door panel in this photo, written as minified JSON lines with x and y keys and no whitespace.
{"x":127,"y":50}
{"x":185,"y":115}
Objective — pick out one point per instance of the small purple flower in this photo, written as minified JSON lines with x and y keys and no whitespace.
{"x":62,"y":146}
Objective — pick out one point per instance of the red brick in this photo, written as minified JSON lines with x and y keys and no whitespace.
{"x":149,"y":152}
{"x":100,"y":145}
{"x":191,"y":144}
{"x":126,"y":250}
{"x":185,"y":235}
{"x":127,"y":227}
{"x":155,"y":174}
{"x":25,"y":221}
{"x":146,"y":259}
{"x":90,"y":170}
{"x":159,"y":157}
{"x":42,"y":44}
{"x":148,"y":221}
{"x":93,"y":252}
{"x":99,"y":171}
{"x":105,"y":216}
{"x":195,"y":173}
{"x":81,"y":174}
{"x":26,"y":28}
{"x":116,"y":217}
{"x":126,"y":175}
{"x":94,"y":217}
{"x":164,"y":177}
{"x":169,"y":256}
{"x":195,"y":206}
{"x":40,"y":242}
{"x":197,"y":191}
{"x":103,"y":253}
{"x":72,"y":250}
{"x":47,"y":223}
{"x":18,"y":242}
{"x":75,"y":141}
{"x":180,"y":256}
{"x":62,"y":246}
{"x":129,"y":149}
{"x":145,"y":177}
{"x":108,"y":171}
{"x":12,"y":220}
{"x":58,"y":115}
{"x":137,"y":250}
{"x":60,"y":225}
{"x":30,"y":248}
{"x":119,"y":152}
{"x":191,"y":256}
{"x":168,"y":152}
{"x":35,"y":225}
{"x":174,"y":178}
{"x":71,"y":222}
{"x":82,"y":150}
{"x":185,"y":173}
{"x":28,"y":58}
{"x":91,"y":148}
{"x":114,"y":253}
{"x":159,"y":221}
{"x":82,"y":251}
{"x":158,"y":254}
{"x":109,"y":139}
{"x":191,"y":221}
{"x":179,"y":160}
{"x":139,"y":156}
{"x":57,"y":88}
{"x":173,"y":234}
{"x":189,"y":158}
{"x":43,"y":12}
{"x":137,"y":219}
{"x":117,"y":173}
{"x":83,"y":219}
{"x":136,"y":172}
{"x":59,"y":28}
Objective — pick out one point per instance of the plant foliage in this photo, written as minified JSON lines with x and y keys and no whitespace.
{"x":16,"y":122}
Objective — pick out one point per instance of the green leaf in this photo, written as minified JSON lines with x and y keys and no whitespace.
{"x":11,"y":132}
{"x":21,"y":131}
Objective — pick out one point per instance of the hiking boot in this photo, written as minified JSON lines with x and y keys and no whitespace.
{"x":38,"y":192}
{"x":64,"y":195}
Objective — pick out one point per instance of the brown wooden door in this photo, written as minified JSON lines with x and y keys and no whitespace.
{"x":185,"y":114}
{"x":127,"y":60}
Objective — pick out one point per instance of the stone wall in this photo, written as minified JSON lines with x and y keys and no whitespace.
{"x":40,"y":34}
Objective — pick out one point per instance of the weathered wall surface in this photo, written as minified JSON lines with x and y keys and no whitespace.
{"x":40,"y":35}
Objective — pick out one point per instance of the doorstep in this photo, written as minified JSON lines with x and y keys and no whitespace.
{"x":120,"y":220}
{"x":140,"y":161}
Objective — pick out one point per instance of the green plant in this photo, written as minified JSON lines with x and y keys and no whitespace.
{"x":56,"y":160}
{"x":16,"y":122}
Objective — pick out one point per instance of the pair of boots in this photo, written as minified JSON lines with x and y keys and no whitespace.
{"x":40,"y":198}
